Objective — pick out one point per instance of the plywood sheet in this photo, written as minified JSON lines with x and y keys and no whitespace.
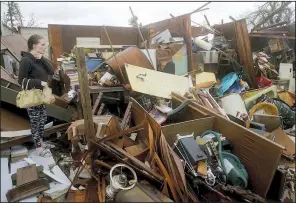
{"x":20,"y":123}
{"x":156,"y":83}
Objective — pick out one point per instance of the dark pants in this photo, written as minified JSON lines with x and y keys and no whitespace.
{"x":38,"y":117}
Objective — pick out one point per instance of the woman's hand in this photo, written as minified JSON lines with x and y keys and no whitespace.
{"x":44,"y":84}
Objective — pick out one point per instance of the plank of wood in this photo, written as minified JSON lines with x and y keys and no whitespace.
{"x":98,"y":89}
{"x":85,"y":96}
{"x":272,"y":36}
{"x":55,"y":42}
{"x":101,"y":109}
{"x":271,"y":26}
{"x":27,"y":190}
{"x":26,"y":175}
{"x":188,"y":41}
{"x":96,"y":105}
{"x":136,"y":149}
{"x":244,"y":50}
{"x":135,"y":161}
{"x":126,"y":115}
{"x":91,"y":192}
{"x":207,"y":21}
{"x":156,"y":83}
{"x":270,"y":32}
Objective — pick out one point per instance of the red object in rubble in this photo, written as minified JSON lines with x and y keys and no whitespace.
{"x":263,"y":82}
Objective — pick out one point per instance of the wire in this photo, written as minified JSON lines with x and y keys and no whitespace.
{"x":211,"y":178}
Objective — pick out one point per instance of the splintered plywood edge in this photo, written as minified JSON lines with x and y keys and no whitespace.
{"x":155,"y":83}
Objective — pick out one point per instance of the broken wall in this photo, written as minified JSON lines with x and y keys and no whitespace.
{"x":62,"y":38}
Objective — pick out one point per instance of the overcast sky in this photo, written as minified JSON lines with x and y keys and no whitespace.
{"x":118,"y":13}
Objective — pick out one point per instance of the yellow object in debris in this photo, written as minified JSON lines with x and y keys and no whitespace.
{"x":205,"y":80}
{"x":268,"y":108}
{"x":241,"y":82}
{"x":202,"y":168}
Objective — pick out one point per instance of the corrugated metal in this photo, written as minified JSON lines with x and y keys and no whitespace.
{"x":15,"y":44}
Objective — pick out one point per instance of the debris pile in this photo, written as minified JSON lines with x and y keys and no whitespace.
{"x":181,"y":120}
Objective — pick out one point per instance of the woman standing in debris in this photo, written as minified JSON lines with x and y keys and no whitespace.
{"x":37,"y":69}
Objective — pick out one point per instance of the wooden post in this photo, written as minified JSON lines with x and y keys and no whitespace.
{"x":244,"y":50}
{"x":85,"y":96}
{"x":207,"y":21}
{"x":188,"y":41}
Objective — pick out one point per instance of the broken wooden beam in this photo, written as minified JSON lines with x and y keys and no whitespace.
{"x":96,"y":105}
{"x":84,"y":94}
{"x":101,"y":109}
{"x":26,"y":190}
{"x":28,"y":138}
{"x":56,"y":128}
{"x":270,"y":26}
{"x":197,"y":10}
{"x":207,"y":21}
{"x":98,"y":89}
{"x":269,"y":32}
{"x":272,"y":36}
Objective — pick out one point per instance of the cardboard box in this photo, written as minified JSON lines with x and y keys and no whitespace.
{"x":259,"y":155}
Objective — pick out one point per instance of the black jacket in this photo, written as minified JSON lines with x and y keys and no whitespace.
{"x":36,"y":70}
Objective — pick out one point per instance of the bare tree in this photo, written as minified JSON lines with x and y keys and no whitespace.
{"x":32,"y":22}
{"x":277,"y":10}
{"x":14,"y":18}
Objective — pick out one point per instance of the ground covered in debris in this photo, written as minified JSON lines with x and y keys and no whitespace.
{"x":187,"y":115}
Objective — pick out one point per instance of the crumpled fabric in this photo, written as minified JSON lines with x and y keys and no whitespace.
{"x":286,"y":112}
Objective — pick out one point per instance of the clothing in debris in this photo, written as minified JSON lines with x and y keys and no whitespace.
{"x":37,"y":70}
{"x":38,"y":117}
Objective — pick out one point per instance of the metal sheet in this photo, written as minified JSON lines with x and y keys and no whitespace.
{"x":131,"y":55}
